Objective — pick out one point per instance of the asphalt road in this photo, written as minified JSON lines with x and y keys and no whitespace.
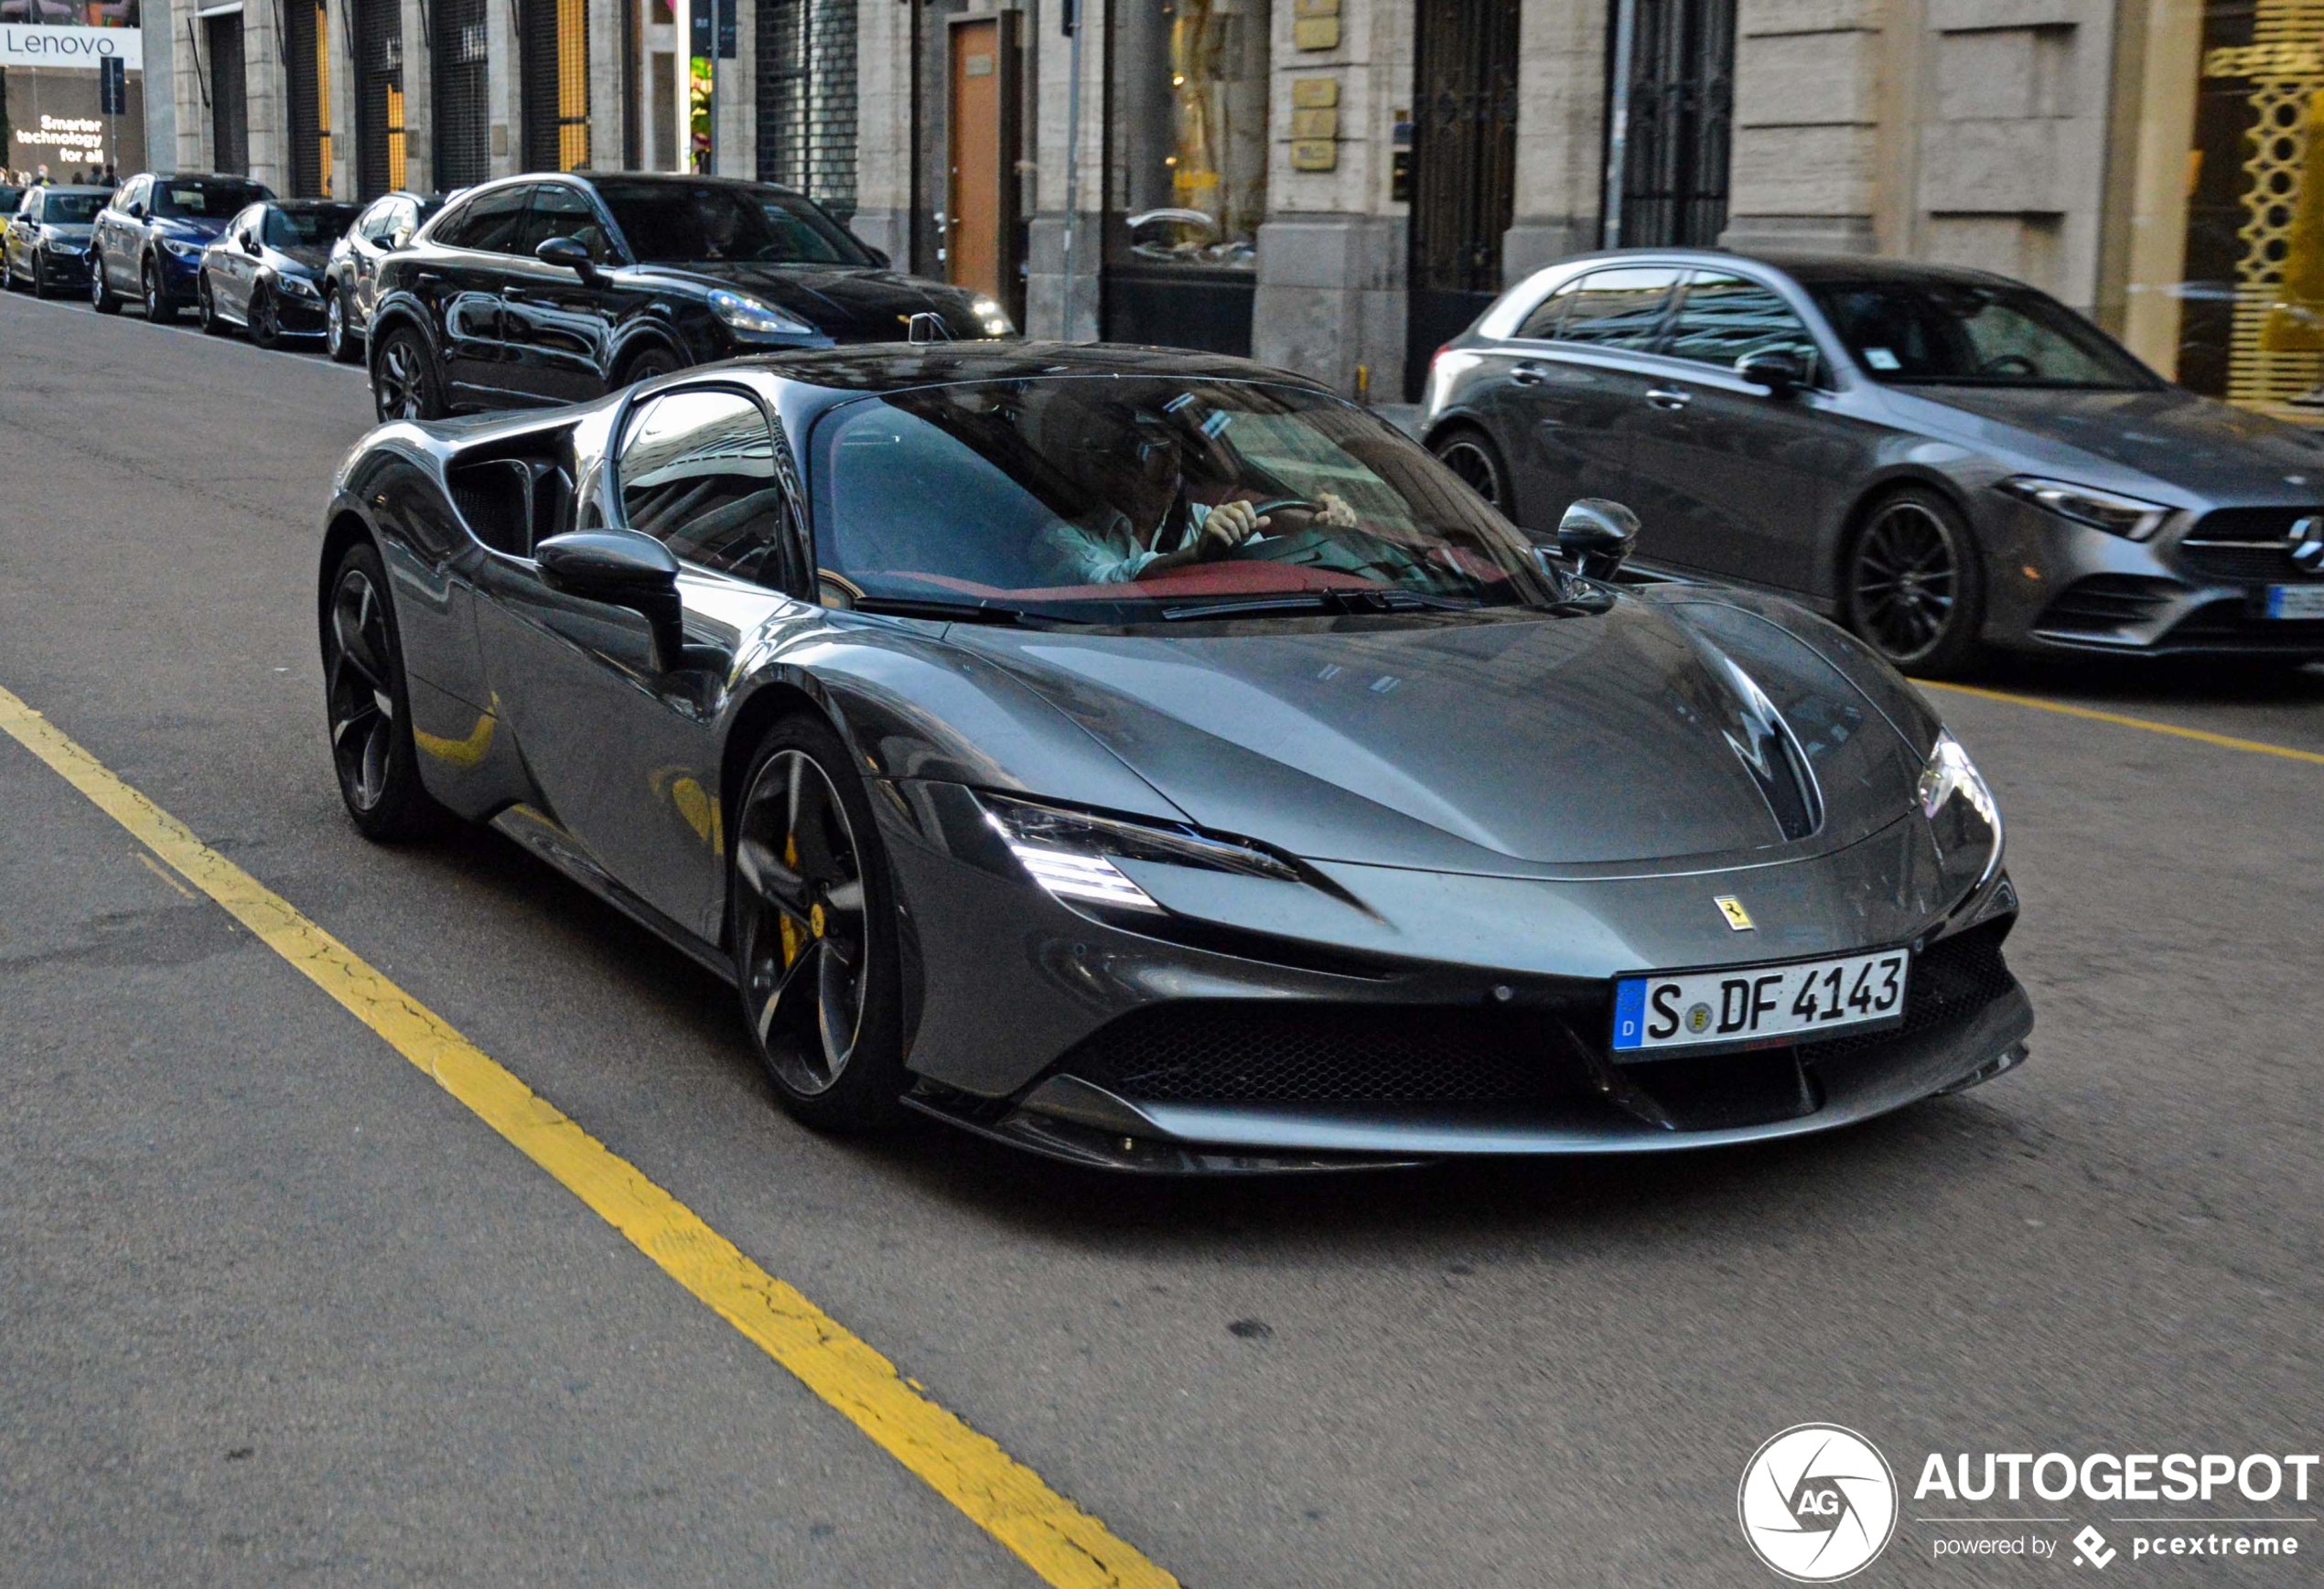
{"x":274,"y":1308}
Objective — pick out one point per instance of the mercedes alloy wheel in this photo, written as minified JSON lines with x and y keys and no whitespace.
{"x":1913,"y":586}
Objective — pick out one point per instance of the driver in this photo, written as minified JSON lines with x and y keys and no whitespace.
{"x":1143,"y":468}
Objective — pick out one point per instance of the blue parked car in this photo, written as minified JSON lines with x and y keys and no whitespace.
{"x":148,"y":241}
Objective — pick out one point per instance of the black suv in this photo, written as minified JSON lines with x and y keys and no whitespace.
{"x":556,"y":288}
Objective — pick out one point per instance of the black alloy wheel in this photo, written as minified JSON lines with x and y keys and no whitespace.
{"x":205,"y":307}
{"x":814,"y":930}
{"x":101,"y":292}
{"x":39,"y":275}
{"x":265,"y":318}
{"x":404,"y":378}
{"x":159,"y":310}
{"x":1472,"y":455}
{"x":338,"y":340}
{"x":651,"y":362}
{"x":369,"y":707}
{"x":1913,"y":588}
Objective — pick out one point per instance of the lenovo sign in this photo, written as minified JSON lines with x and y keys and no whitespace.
{"x":24,"y":45}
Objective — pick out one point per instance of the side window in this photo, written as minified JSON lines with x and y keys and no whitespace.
{"x":490,"y":223}
{"x":698,"y":474}
{"x":1540,"y":323}
{"x":562,"y":212}
{"x":1619,"y":308}
{"x":377,"y":219}
{"x":30,"y":208}
{"x":1724,"y":317}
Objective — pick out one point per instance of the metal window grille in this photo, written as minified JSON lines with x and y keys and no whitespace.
{"x":302,"y":31}
{"x":1674,"y":171}
{"x":807,"y":99}
{"x":229,"y":109}
{"x":379,"y":96}
{"x":1464,"y":143}
{"x":463,"y":103}
{"x":555,"y":84}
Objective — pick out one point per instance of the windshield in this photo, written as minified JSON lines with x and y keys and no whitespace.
{"x":10,"y":198}
{"x":208,"y":196}
{"x":1970,"y":333}
{"x":305,"y":228}
{"x":683,"y":223}
{"x":1121,"y":499}
{"x":70,"y":208}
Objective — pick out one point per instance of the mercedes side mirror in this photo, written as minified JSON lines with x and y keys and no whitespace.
{"x":1595,"y":534}
{"x":621,"y":568}
{"x":569,"y":254}
{"x":1777,"y":369}
{"x":250,"y":245}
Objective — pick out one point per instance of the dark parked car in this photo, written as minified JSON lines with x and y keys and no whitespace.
{"x":1940,"y":458}
{"x":149,"y":241}
{"x":555,"y":288}
{"x":266,"y":271}
{"x":46,"y":239}
{"x":11,"y":196}
{"x":350,"y":284}
{"x":1153,"y":759}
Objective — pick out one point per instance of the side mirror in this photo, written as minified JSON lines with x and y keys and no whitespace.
{"x":399,"y":238}
{"x":568,"y":254}
{"x":1595,"y":534}
{"x":879,"y":256}
{"x":250,"y":245}
{"x":1777,"y":369}
{"x":621,"y":568}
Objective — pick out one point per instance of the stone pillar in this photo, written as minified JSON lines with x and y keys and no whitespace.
{"x":1808,"y":147}
{"x":1332,"y":251}
{"x":339,"y":105}
{"x":1050,"y":310}
{"x":605,"y":109}
{"x":190,"y":69}
{"x":159,"y":24}
{"x":419,"y":99}
{"x":1561,"y":94}
{"x":737,"y":107}
{"x":266,"y":96}
{"x":504,"y":51}
{"x":884,"y":127}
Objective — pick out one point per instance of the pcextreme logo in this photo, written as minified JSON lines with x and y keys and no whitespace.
{"x":1818,"y":1503}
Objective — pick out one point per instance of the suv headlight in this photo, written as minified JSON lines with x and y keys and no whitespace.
{"x":992,"y":316}
{"x":1959,"y":804}
{"x":752,"y":317}
{"x":1071,"y":854}
{"x":2108,"y":511}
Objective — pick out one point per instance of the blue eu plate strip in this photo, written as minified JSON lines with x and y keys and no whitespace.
{"x":1630,"y":1012}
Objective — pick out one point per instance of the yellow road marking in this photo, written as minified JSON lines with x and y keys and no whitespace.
{"x":156,"y":868}
{"x":2227,"y":741}
{"x":1064,"y":1544}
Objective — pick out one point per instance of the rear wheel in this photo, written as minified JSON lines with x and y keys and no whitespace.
{"x":815,"y":933}
{"x":100,"y":293}
{"x":1913,"y":588}
{"x":404,"y":380}
{"x":338,"y":340}
{"x":1470,"y":453}
{"x":369,"y":707}
{"x":158,"y":308}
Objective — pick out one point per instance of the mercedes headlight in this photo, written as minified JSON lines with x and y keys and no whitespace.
{"x":753,"y":318}
{"x":2117,"y":515}
{"x":301,"y":287}
{"x":1963,"y":814}
{"x":992,"y":316}
{"x":182,"y":250}
{"x":1071,"y":854}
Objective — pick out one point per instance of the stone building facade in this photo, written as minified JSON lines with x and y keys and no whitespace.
{"x":1338,"y":185}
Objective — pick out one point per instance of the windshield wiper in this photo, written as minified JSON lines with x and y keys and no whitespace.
{"x":957,"y":612}
{"x":1332,"y":601}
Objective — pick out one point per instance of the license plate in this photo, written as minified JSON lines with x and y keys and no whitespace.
{"x":1757,"y":1004}
{"x":2295,"y":601}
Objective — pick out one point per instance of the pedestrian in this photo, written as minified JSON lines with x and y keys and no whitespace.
{"x":42,"y":179}
{"x":109,"y":179}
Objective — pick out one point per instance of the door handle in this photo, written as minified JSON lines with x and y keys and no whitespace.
{"x":1528,"y":375}
{"x":1666,"y":397}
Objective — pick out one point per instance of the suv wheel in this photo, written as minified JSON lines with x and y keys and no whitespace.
{"x":338,"y":340}
{"x":159,"y":310}
{"x":101,"y":292}
{"x":404,"y":378}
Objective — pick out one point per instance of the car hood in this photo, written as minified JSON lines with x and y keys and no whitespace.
{"x":1507,"y":745}
{"x":190,"y":229}
{"x":2173,"y":435}
{"x":307,"y":261}
{"x":70,"y":230}
{"x":847,"y":302}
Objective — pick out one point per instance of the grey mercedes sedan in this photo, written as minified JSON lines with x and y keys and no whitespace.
{"x":1941,"y":459}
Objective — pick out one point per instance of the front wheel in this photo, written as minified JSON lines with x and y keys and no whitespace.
{"x":1913,"y":588}
{"x":102,"y":297}
{"x":404,"y":378}
{"x":647,"y":365}
{"x":206,"y":310}
{"x":338,"y":340}
{"x":159,"y":310}
{"x":265,"y":318}
{"x":39,"y":277}
{"x":367,"y":704}
{"x":814,"y":934}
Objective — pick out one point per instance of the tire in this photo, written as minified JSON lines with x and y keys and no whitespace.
{"x":1470,"y":453}
{"x":102,"y":297}
{"x":648,"y":363}
{"x":40,"y":282}
{"x":368,"y":716}
{"x":159,"y":310}
{"x":343,"y":345}
{"x":206,"y":310}
{"x":1911,"y":585}
{"x":404,"y":385}
{"x":265,"y":320}
{"x":818,"y":975}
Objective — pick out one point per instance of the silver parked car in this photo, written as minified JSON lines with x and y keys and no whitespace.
{"x":1941,"y":459}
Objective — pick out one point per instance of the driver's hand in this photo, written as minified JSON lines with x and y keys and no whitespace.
{"x":1228,"y":526}
{"x":1334,"y":510}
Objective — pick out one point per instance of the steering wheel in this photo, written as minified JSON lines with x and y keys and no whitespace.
{"x":1276,"y":504}
{"x":2009,"y":364}
{"x":1316,"y":547}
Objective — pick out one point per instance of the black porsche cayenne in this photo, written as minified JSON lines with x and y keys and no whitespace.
{"x":556,"y":288}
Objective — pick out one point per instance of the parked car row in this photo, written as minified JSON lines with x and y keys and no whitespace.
{"x":1944,"y":460}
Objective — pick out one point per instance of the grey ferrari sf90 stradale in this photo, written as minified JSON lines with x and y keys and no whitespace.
{"x":1155,"y":761}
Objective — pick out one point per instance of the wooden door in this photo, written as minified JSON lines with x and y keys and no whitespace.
{"x":979,"y":212}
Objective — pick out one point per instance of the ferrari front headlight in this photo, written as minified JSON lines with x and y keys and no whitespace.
{"x":1959,"y":804}
{"x":1071,"y":854}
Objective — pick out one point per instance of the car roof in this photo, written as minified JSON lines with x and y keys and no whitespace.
{"x":900,"y":366}
{"x":627,"y":178}
{"x":72,"y":188}
{"x":311,"y":203}
{"x":1802,"y":267}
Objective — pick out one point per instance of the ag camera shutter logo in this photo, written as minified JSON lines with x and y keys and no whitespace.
{"x":1818,"y":1503}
